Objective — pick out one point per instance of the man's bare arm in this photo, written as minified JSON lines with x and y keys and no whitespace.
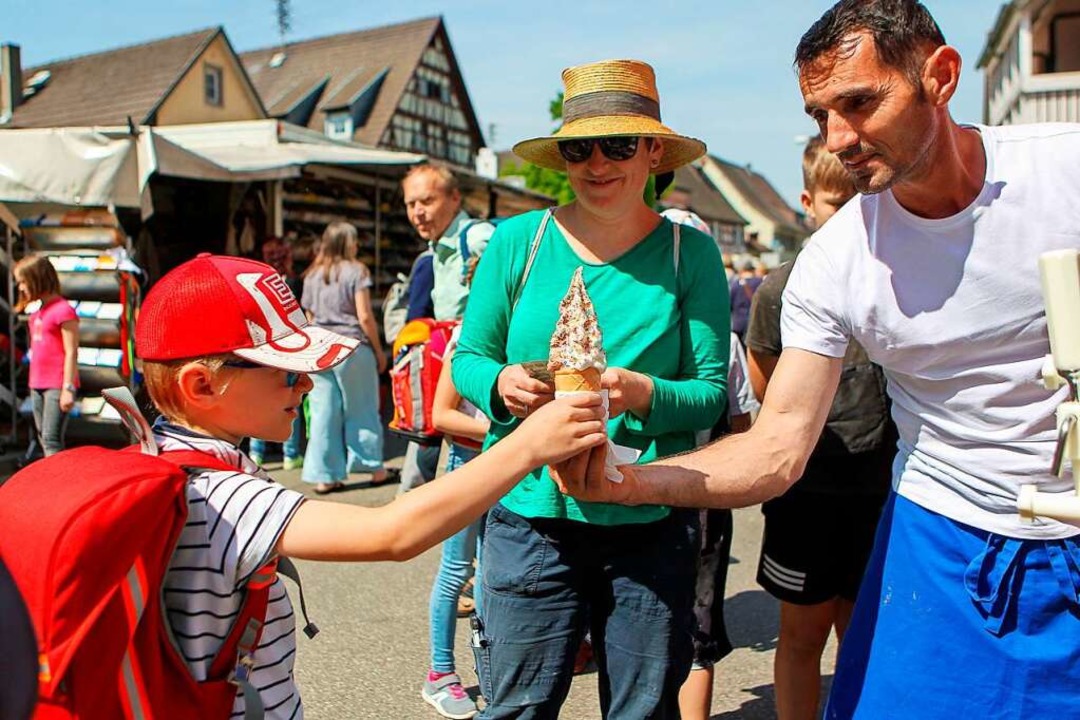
{"x":739,"y":470}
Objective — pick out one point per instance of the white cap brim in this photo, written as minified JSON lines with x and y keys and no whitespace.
{"x":311,"y":350}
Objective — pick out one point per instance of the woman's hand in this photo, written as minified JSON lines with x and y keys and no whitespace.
{"x":521,"y":393}
{"x":67,"y":400}
{"x":627,"y":390}
{"x":568,"y":427}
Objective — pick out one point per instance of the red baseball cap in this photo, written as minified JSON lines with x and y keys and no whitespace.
{"x":218,"y":304}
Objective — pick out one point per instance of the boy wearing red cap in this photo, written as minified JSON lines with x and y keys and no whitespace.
{"x":226,"y":350}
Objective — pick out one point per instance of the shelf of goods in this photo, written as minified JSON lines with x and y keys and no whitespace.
{"x":89,"y":251}
{"x":309,"y":204}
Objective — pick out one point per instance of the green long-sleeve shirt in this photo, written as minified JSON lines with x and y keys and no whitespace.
{"x":673,"y":328}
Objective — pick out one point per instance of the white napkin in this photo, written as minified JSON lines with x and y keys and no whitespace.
{"x":616,"y":454}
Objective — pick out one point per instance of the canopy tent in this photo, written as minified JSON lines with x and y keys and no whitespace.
{"x":113,"y":166}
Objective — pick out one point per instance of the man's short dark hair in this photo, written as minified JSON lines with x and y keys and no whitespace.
{"x":904,"y":33}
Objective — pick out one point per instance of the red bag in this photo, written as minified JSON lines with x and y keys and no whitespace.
{"x":418,"y":361}
{"x":88,"y":535}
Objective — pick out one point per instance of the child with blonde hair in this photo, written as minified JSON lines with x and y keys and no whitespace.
{"x":226,"y":351}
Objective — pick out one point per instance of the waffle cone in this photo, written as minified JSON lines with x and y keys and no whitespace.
{"x":587,"y":380}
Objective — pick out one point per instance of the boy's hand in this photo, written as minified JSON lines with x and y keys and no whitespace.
{"x":587,"y":481}
{"x":562,"y":429}
{"x":521,"y":393}
{"x":627,"y":390}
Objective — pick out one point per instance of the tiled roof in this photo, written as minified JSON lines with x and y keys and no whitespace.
{"x":763,"y":196}
{"x":352,"y":61}
{"x":107,"y":88}
{"x":704,"y":199}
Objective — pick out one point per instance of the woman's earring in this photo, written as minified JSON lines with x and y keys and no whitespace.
{"x":655,"y":163}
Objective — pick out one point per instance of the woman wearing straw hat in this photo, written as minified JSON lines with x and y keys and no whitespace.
{"x":554,"y":567}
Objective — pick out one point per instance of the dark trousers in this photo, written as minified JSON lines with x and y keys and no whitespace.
{"x":545,"y":582}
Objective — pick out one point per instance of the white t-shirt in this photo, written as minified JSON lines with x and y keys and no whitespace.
{"x":952,"y":309}
{"x":234,"y":522}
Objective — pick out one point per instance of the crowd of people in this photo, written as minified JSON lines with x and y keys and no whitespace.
{"x":875,"y":396}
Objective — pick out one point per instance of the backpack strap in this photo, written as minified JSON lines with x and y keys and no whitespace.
{"x":197,"y":460}
{"x":463,"y":243}
{"x":237,"y":653}
{"x":548,"y":214}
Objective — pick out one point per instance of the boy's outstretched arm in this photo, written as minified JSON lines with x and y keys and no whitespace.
{"x":739,"y":470}
{"x":429,"y":514}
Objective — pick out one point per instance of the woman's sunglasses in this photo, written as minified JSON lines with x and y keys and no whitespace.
{"x":291,"y":378}
{"x":617,"y":148}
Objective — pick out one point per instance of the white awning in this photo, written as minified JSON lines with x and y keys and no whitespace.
{"x":262,"y":150}
{"x":110,"y":166}
{"x":71,"y":166}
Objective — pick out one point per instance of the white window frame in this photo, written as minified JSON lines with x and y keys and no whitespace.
{"x":213,"y":85}
{"x":339,"y":126}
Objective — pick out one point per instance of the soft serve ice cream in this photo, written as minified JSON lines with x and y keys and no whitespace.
{"x":577,"y":356}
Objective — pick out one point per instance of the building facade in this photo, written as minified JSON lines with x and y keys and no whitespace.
{"x":397,"y":87}
{"x":1031,"y":63}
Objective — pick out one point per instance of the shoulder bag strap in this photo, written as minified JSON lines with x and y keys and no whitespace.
{"x":677,"y":240}
{"x":548,"y":214}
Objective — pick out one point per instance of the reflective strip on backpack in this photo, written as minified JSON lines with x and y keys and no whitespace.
{"x":416,"y":371}
{"x":133,"y":695}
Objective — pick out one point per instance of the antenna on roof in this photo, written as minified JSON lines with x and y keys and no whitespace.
{"x":283,"y":12}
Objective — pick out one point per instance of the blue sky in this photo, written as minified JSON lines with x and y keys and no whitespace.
{"x":723,"y":67}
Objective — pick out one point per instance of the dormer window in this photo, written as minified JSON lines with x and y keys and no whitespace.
{"x":212,"y":90}
{"x":339,"y":126}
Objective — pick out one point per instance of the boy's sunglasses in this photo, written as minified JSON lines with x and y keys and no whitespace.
{"x":617,"y":148}
{"x":291,"y":378}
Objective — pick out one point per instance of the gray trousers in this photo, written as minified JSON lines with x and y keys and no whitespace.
{"x":420,"y":466}
{"x":49,"y":420}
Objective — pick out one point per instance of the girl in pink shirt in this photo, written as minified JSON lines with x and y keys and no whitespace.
{"x":54,"y":344}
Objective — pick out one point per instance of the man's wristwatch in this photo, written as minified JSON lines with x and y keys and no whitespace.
{"x":71,"y":388}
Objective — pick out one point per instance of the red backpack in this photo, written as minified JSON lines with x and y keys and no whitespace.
{"x":418,"y":361}
{"x":88,"y":535}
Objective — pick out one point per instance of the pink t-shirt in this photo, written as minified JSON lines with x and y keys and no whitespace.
{"x":47,"y":346}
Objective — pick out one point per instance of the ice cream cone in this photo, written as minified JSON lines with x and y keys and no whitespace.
{"x":587,"y":380}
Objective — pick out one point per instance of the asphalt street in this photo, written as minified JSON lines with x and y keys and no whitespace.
{"x":371,"y":655}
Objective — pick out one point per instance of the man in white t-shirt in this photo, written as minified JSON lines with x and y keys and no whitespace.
{"x":965,"y":611}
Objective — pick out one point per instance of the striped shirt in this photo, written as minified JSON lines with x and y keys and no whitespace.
{"x":234,"y":522}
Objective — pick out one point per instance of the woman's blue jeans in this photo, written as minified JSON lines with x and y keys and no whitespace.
{"x":547,"y":581}
{"x":346,"y":430}
{"x":455,"y":569}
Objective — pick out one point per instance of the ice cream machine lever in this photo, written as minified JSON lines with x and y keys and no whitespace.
{"x":1060,"y":272}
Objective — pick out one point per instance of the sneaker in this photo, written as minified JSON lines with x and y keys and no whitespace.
{"x":292,"y":463}
{"x":256,"y":458}
{"x":443,"y":692}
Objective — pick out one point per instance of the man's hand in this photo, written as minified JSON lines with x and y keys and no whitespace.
{"x":521,"y":393}
{"x":583,"y":477}
{"x":627,"y":390}
{"x":566,"y":428}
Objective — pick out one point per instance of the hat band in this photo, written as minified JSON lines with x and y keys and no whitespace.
{"x":609,"y":102}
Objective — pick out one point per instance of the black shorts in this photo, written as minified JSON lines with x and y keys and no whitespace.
{"x":711,"y":643}
{"x":816,"y":545}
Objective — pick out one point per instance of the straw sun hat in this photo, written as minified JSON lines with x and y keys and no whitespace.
{"x":611,"y":97}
